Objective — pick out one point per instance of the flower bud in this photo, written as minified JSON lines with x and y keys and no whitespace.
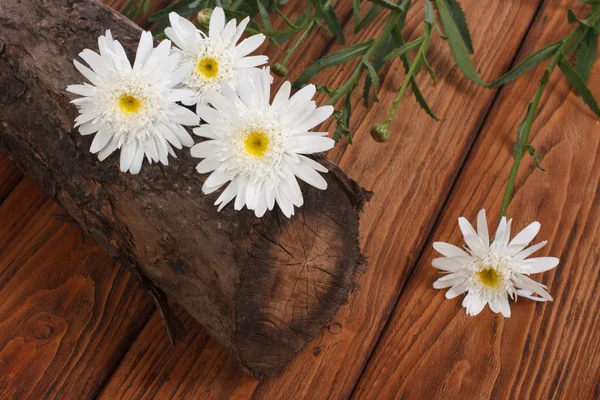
{"x":203,"y":16}
{"x":380,"y":133}
{"x":279,"y":69}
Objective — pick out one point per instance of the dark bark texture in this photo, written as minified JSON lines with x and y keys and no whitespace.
{"x":262,"y":287}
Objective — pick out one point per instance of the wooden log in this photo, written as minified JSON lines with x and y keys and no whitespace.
{"x":262,"y":287}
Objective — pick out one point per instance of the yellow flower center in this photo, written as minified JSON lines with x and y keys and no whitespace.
{"x":256,"y":143}
{"x":208,"y":67}
{"x":489,"y":277}
{"x":129,"y":104}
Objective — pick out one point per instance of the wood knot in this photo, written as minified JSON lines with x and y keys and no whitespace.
{"x":45,"y":327}
{"x":456,"y":376}
{"x":335,"y":328}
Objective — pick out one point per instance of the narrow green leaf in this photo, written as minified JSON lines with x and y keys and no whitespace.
{"x":582,"y":89}
{"x":404,"y":49}
{"x":397,"y":34}
{"x":388,"y":4}
{"x":460,"y":21}
{"x":527,"y":64}
{"x":429,"y":14}
{"x":458,"y":47}
{"x":374,"y":81}
{"x":368,"y":18}
{"x":586,"y":55}
{"x":326,"y":12}
{"x":356,"y":11}
{"x":331,"y":60}
{"x":183,"y":8}
{"x":264,"y":15}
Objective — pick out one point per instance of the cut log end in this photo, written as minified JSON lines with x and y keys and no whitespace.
{"x":296,"y":274}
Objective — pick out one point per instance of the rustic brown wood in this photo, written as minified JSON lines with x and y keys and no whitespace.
{"x":249,"y":281}
{"x":153,"y":368}
{"x":330,"y":366}
{"x":9,"y":176}
{"x":67,"y":314}
{"x":430,"y":348}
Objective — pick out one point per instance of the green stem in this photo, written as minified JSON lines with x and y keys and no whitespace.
{"x":301,"y":38}
{"x":569,"y":44}
{"x":351,"y":83}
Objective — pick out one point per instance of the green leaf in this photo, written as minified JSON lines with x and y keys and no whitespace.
{"x":459,"y":49}
{"x":397,"y":34}
{"x":527,"y":64}
{"x":343,"y":119}
{"x":586,"y":55}
{"x":582,"y":89}
{"x":326,"y":90}
{"x":388,"y":4}
{"x":331,"y":60}
{"x":374,"y":80}
{"x":183,"y":8}
{"x":356,"y":11}
{"x":326,"y":12}
{"x":368,"y":18}
{"x":264,"y":15}
{"x":457,"y":15}
{"x":404,"y":49}
{"x":531,"y":150}
{"x":429,"y":14}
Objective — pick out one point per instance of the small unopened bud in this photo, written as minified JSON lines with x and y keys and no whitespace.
{"x":380,"y":133}
{"x":279,"y":69}
{"x":203,"y":16}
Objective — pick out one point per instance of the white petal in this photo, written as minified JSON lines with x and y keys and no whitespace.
{"x":217,"y":179}
{"x":239,"y":31}
{"x":108,"y":149}
{"x":282,"y":96}
{"x":205,"y":149}
{"x":473,"y":304}
{"x":138,"y":159}
{"x":205,"y":131}
{"x":144,"y":50}
{"x":316,"y":117}
{"x":248,"y":45}
{"x":252,"y":61}
{"x":228,"y":194}
{"x":308,"y":175}
{"x":449,"y":250}
{"x":311,"y":145}
{"x":526,"y":235}
{"x":127,"y":154}
{"x":482,"y":228}
{"x":208,"y":164}
{"x":210,"y":115}
{"x":184,"y":116}
{"x":456,"y":291}
{"x":88,"y":73}
{"x":217,"y":23}
{"x":529,"y":251}
{"x":540,"y":264}
{"x":100,"y":140}
{"x":471,"y":237}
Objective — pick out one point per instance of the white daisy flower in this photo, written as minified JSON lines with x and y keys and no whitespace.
{"x":133,"y":108}
{"x":490,"y":273}
{"x":216,"y":58}
{"x":259,"y":147}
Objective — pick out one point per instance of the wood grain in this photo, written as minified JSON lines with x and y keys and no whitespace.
{"x":410,"y":185}
{"x":430,"y":348}
{"x":67,"y":313}
{"x":402,"y":174}
{"x":9,"y":176}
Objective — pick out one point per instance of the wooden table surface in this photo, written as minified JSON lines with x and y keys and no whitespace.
{"x":73,"y":324}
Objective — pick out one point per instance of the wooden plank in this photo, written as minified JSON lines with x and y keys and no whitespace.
{"x":67,"y":312}
{"x":430,"y":348}
{"x":153,"y":368}
{"x":410,"y":188}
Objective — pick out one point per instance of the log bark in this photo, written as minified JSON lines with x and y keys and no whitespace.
{"x":262,"y":287}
